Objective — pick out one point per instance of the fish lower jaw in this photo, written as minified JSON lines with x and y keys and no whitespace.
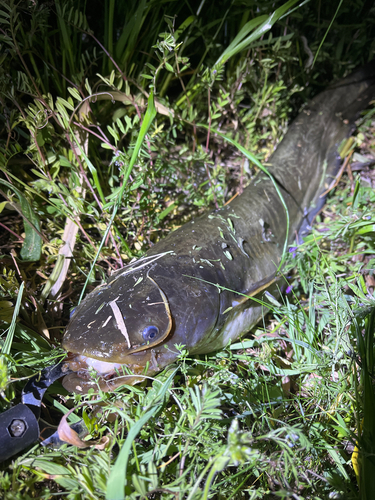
{"x":107,"y":378}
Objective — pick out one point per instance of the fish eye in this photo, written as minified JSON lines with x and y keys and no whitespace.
{"x":150,"y":332}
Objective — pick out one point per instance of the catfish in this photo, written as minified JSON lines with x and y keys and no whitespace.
{"x":196,"y":288}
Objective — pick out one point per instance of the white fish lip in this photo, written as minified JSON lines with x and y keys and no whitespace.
{"x":110,"y":375}
{"x":81,"y":362}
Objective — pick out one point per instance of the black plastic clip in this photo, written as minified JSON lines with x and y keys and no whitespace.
{"x":19,"y":426}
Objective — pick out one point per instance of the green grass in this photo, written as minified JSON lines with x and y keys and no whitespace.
{"x":274,"y":416}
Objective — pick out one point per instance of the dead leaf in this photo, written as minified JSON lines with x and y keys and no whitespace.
{"x":68,"y":435}
{"x":103,"y":443}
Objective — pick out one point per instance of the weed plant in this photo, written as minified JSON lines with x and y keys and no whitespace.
{"x":100,"y":106}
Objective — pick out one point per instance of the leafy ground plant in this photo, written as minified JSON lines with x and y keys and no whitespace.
{"x":100,"y":119}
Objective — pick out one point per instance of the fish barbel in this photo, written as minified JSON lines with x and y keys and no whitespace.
{"x":193,"y":288}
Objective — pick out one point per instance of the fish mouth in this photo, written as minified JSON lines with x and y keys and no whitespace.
{"x":79,"y":362}
{"x":91,"y":373}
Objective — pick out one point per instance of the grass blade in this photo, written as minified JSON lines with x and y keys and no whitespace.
{"x":117,"y":479}
{"x":267,"y":23}
{"x":147,"y":121}
{"x":8,"y":341}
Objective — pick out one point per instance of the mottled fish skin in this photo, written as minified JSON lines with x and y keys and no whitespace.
{"x":238,"y":247}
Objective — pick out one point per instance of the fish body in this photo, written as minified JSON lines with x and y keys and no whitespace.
{"x":193,"y":287}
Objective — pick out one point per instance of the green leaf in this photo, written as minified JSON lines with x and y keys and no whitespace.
{"x":32,"y":246}
{"x":74,"y":92}
{"x":45,"y":465}
{"x":169,"y":67}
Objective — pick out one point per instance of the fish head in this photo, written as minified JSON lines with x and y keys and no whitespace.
{"x":117,"y":324}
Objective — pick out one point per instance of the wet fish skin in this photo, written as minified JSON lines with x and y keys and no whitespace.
{"x":238,"y":247}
